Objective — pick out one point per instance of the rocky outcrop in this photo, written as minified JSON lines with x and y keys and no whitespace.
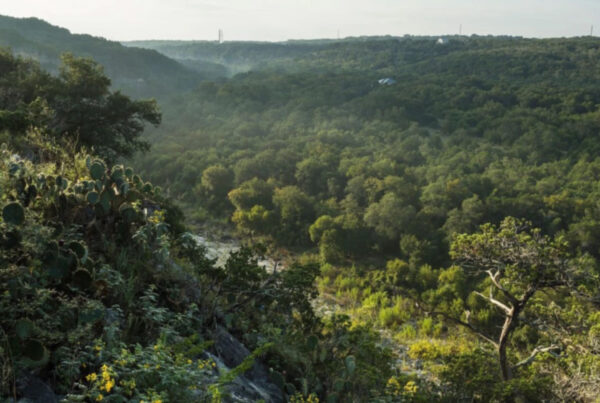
{"x":252,"y":386}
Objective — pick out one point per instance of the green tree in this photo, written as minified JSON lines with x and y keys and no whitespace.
{"x":309,"y":175}
{"x":318,"y":228}
{"x":466,"y":218}
{"x":217,"y":181}
{"x":516,"y":263}
{"x":251,"y":193}
{"x":295,"y":211}
{"x":389,"y":217}
{"x":87,"y":111}
{"x":21,"y":84}
{"x":257,"y":220}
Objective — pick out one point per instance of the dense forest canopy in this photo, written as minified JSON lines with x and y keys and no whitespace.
{"x":309,"y":152}
{"x":446,"y":146}
{"x":440,"y":230}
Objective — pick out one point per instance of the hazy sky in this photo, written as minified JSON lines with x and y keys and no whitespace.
{"x":275,"y":20}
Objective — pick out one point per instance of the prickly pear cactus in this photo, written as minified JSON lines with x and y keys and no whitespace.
{"x":13,"y":213}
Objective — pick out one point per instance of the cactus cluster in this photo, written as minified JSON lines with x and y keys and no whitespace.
{"x":68,"y":261}
{"x":24,"y":342}
{"x":13,"y":213}
{"x":99,"y":201}
{"x":115,"y":191}
{"x":104,"y":193}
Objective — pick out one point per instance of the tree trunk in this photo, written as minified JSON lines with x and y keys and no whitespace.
{"x":507,"y":328}
{"x":504,"y":366}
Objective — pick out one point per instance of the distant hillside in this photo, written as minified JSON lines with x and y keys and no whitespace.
{"x":515,"y":59}
{"x":236,"y":57}
{"x":139,"y":72}
{"x":243,"y":56}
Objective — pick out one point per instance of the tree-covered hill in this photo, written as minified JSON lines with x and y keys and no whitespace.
{"x":466,"y":106}
{"x":235,"y":57}
{"x":509,"y":57}
{"x":377,"y":182}
{"x":140,"y":72}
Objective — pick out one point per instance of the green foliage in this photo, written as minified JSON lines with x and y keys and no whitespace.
{"x":307,"y":147}
{"x":388,"y":163}
{"x":470,"y":375}
{"x":64,"y":283}
{"x":97,"y":169}
{"x":217,"y":180}
{"x":155,"y":372}
{"x":13,"y":214}
{"x":389,"y":217}
{"x":382,"y":178}
{"x":77,"y":106}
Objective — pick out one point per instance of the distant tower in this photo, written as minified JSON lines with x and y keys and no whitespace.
{"x":460,"y":29}
{"x":338,"y":34}
{"x":220,"y":35}
{"x":592,"y":30}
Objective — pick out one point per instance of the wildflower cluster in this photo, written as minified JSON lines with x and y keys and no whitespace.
{"x":104,"y":383}
{"x":399,"y":388}
{"x":298,"y":398}
{"x":157,"y":217}
{"x":152,"y":374}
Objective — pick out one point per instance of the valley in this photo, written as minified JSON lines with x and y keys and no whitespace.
{"x":385,"y":219}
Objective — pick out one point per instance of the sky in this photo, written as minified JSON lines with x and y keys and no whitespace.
{"x":277,"y":20}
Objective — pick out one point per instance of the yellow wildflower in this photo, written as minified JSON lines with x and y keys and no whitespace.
{"x":109,"y":385}
{"x":411,"y":388}
{"x":91,"y":377}
{"x":99,"y":398}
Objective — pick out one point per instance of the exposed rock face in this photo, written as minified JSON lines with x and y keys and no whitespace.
{"x":34,"y":390}
{"x":254,"y":384}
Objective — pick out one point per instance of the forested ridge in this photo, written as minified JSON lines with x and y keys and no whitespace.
{"x":440,"y":230}
{"x":140,"y":72}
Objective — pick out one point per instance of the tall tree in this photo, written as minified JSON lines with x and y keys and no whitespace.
{"x":516,"y":263}
{"x":86,"y":110}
